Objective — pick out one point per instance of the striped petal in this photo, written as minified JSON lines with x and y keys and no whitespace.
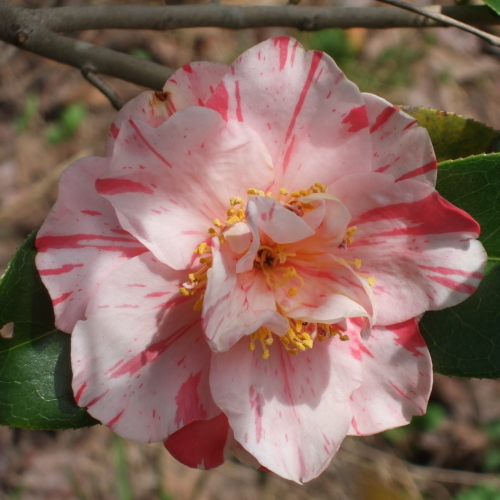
{"x":289,"y":412}
{"x":399,"y":146}
{"x":397,"y":377}
{"x":140,"y":362}
{"x":191,"y":85}
{"x":80,"y":242}
{"x":420,"y":249}
{"x":311,"y":118}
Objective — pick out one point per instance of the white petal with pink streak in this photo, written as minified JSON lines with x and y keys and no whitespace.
{"x":399,"y":146}
{"x":397,"y":377}
{"x":190,"y":85}
{"x":272,"y":218}
{"x":290,"y":412}
{"x":331,"y":291}
{"x":140,"y":361}
{"x":169,"y":183}
{"x":311,"y":118}
{"x":420,"y":249}
{"x":80,"y":242}
{"x":236,"y":305}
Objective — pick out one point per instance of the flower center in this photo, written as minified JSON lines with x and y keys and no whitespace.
{"x":271,"y":259}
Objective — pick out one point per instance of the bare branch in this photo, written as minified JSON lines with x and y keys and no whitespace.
{"x":90,"y":75}
{"x":38,"y":30}
{"x":22,"y":28}
{"x":493,"y":40}
{"x":64,"y":19}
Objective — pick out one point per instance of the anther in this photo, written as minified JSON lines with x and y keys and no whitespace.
{"x":218,"y":223}
{"x":184,"y":291}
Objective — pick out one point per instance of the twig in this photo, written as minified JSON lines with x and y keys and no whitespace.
{"x":421,"y":472}
{"x":64,"y":19}
{"x":21,"y":27}
{"x":37,"y":30}
{"x":90,"y":75}
{"x":448,"y":21}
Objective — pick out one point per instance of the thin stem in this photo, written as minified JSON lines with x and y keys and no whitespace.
{"x":448,"y":21}
{"x":21,"y":27}
{"x":90,"y":75}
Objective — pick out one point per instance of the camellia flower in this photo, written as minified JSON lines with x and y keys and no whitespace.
{"x":242,"y":273}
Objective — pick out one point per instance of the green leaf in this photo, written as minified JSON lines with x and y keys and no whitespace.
{"x":35,"y":368}
{"x":465,"y":340}
{"x":68,"y":123}
{"x":454,"y":136}
{"x":494,"y":5}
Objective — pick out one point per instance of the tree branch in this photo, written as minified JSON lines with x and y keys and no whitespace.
{"x":90,"y":75}
{"x":236,"y":17}
{"x":21,"y":27}
{"x":38,"y":30}
{"x":493,"y":40}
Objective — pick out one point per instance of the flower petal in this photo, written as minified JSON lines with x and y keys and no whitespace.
{"x":330,"y":232}
{"x":420,"y":248}
{"x":397,"y":378}
{"x":331,"y":291}
{"x":169,"y":183}
{"x":400,"y":147}
{"x":272,"y":218}
{"x":206,"y":444}
{"x":190,"y":85}
{"x":201,"y":444}
{"x":140,"y":361}
{"x":194,"y":83}
{"x":311,"y":118}
{"x":236,"y":305}
{"x":80,"y":242}
{"x":290,"y":412}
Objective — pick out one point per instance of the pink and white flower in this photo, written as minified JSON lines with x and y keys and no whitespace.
{"x":242,"y":272}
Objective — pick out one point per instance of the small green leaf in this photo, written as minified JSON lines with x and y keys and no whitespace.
{"x":70,"y":119}
{"x":35,"y":368}
{"x":494,"y":5}
{"x":465,"y":340}
{"x":454,"y":136}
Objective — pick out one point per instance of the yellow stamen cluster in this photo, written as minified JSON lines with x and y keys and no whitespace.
{"x":265,"y":337}
{"x":236,"y":214}
{"x":348,"y":239}
{"x":325,"y":331}
{"x":198,"y":280}
{"x":296,"y":339}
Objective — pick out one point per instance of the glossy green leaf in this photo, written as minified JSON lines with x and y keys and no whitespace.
{"x":493,"y":4}
{"x":454,"y":136}
{"x":465,"y":340}
{"x":35,"y":368}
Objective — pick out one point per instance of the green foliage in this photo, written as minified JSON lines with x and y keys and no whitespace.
{"x":35,"y":368}
{"x":124,"y":488}
{"x":465,"y":340}
{"x":454,"y":136}
{"x":141,"y":53}
{"x":481,"y":492}
{"x":493,"y":4}
{"x":432,"y":419}
{"x":392,"y":68}
{"x":69,"y":121}
{"x":30,"y":110}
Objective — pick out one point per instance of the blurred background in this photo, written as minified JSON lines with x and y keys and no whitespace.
{"x":50,"y":116}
